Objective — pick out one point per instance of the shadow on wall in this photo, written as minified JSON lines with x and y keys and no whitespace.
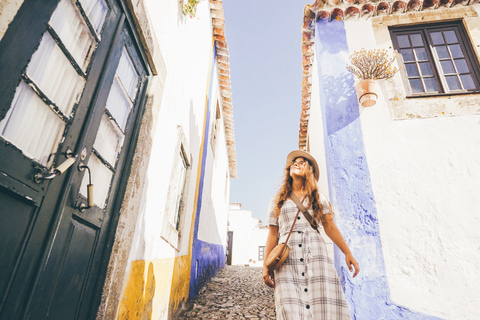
{"x":340,"y":111}
{"x":138,"y":296}
{"x":179,"y":290}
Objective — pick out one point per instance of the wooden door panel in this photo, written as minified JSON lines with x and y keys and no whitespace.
{"x":73,"y":276}
{"x":18,"y":215}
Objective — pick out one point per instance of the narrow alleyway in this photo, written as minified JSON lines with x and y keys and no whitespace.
{"x":235,"y":292}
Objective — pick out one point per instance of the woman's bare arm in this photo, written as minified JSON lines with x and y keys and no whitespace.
{"x":272,"y":241}
{"x":333,"y":233}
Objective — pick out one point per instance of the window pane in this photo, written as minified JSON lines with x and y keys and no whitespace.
{"x":74,"y":33}
{"x":118,"y":104}
{"x":453,"y":83}
{"x":96,"y":11}
{"x":101,"y":178}
{"x":32,"y":126}
{"x":450,"y":36}
{"x":127,"y":74}
{"x":425,"y":69}
{"x":403,"y":41}
{"x":417,"y":40}
{"x":411,"y":69}
{"x":456,"y":51}
{"x":447,"y":66}
{"x":442,"y":52}
{"x":461,"y":66}
{"x":54,"y":75}
{"x":430,"y":85}
{"x":421,"y":54}
{"x":437,"y":38}
{"x":407,"y":55}
{"x":467,"y":81}
{"x":416,"y":85}
{"x":109,"y":141}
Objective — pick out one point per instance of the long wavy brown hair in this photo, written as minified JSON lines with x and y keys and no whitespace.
{"x":310,"y":190}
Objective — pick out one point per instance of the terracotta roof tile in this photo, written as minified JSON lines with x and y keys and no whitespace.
{"x":218,"y":22}
{"x":343,"y":10}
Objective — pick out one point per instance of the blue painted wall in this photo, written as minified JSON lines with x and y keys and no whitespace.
{"x":368,"y":295}
{"x":207,"y":258}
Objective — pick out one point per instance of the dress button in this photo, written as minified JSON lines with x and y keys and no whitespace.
{"x":306,"y":290}
{"x":308,"y":307}
{"x":303,"y":273}
{"x":299,"y":232}
{"x":301,"y":259}
{"x":298,"y":218}
{"x":300,"y":245}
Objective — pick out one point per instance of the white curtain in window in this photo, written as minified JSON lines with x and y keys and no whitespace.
{"x":127,"y":74}
{"x":96,"y":11}
{"x":109,"y":141}
{"x":32,"y":126}
{"x":101,"y":179}
{"x":54,"y":75}
{"x":70,"y":26}
{"x":118,"y":105}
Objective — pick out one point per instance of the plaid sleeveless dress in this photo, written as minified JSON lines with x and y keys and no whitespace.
{"x":306,"y":285}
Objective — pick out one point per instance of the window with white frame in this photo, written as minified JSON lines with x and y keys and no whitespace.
{"x":261,"y":253}
{"x":215,"y":129}
{"x":177,"y":192}
{"x":437,"y":59}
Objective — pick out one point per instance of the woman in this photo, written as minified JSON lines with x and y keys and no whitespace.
{"x":306,"y":285}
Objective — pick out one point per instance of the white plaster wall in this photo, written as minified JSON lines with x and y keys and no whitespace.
{"x":213,"y":216}
{"x":186,"y":45}
{"x":425,"y":177}
{"x":316,"y":146}
{"x":248,"y":235}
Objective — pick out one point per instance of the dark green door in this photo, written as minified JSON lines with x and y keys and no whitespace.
{"x":73,"y":82}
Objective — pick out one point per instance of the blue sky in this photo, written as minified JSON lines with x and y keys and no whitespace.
{"x":264,"y":41}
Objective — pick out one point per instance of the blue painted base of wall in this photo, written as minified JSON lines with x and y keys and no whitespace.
{"x":368,"y":295}
{"x":207,"y":259}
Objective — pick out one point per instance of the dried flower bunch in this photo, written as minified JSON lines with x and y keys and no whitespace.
{"x":372,"y":64}
{"x":190,"y":7}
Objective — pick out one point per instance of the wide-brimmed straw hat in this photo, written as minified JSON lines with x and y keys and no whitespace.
{"x":299,"y":153}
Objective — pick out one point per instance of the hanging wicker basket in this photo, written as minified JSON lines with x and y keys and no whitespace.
{"x":367,"y":92}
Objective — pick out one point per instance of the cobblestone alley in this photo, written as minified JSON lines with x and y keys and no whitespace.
{"x":236,"y":292}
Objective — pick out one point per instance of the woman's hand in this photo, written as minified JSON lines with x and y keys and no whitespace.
{"x":351,"y":261}
{"x":268,"y":277}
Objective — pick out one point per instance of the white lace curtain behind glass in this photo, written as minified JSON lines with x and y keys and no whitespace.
{"x":110,"y":136}
{"x":32,"y":125}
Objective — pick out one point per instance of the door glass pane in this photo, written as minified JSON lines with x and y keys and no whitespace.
{"x":461,"y":66}
{"x":96,"y":11}
{"x":101,"y":178}
{"x":421,"y":54}
{"x":416,"y":85}
{"x":442,"y":52}
{"x":456,"y":51}
{"x":411,"y":69}
{"x":110,"y":142}
{"x":467,"y":81}
{"x":54,"y":75}
{"x":437,"y":38}
{"x":450,"y":36}
{"x":416,"y":39}
{"x":407,"y":55}
{"x":447,"y":66}
{"x":118,"y":105}
{"x":74,"y":33}
{"x":403,"y":41}
{"x":430,"y":84}
{"x":425,"y":69}
{"x":127,"y":74}
{"x":453,"y":83}
{"x":32,"y":126}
